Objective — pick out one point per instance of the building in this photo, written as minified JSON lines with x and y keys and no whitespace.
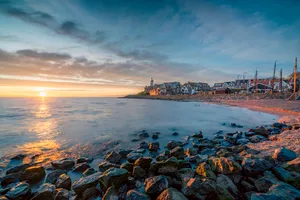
{"x":260,"y":88}
{"x":173,"y":88}
{"x":217,"y":86}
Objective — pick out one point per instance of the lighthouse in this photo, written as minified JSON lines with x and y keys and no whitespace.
{"x":151,"y":82}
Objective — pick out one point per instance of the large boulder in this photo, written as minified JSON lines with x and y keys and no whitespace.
{"x":135,"y":195}
{"x":172,"y":144}
{"x":84,"y":160}
{"x":205,"y":170}
{"x":177,"y":152}
{"x":88,"y":172}
{"x":264,"y":183}
{"x":143,"y":162}
{"x":90,"y":193}
{"x":81,"y":167}
{"x":61,"y":194}
{"x":65,"y":164}
{"x":10,"y":178}
{"x":53,"y":176}
{"x":191,"y":151}
{"x":199,"y":189}
{"x":254,"y":166}
{"x":184,"y":174}
{"x":224,"y":165}
{"x":44,"y":192}
{"x":155,"y":185}
{"x":169,"y":166}
{"x":18,"y":168}
{"x":283,"y":154}
{"x":33,"y":174}
{"x":113,"y":177}
{"x":256,"y":138}
{"x":226,"y":183}
{"x":293,"y":165}
{"x":133,"y":156}
{"x":105,"y":165}
{"x":113,"y":157}
{"x":64,"y":181}
{"x":111,"y":194}
{"x":139,"y":172}
{"x":86,"y":182}
{"x":19,"y":192}
{"x":171,"y":194}
{"x":292,"y":178}
{"x":153,"y":146}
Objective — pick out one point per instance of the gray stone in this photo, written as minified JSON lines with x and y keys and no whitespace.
{"x":283,"y":154}
{"x":86,"y":182}
{"x":11,"y":178}
{"x":177,"y":152}
{"x":44,"y":192}
{"x":64,"y":181}
{"x":226,"y":182}
{"x":81,"y":167}
{"x":205,"y":170}
{"x":84,"y":160}
{"x":208,"y":152}
{"x":143,"y":162}
{"x":53,"y":176}
{"x":224,"y":165}
{"x":185,"y":174}
{"x":153,"y":146}
{"x":242,"y":141}
{"x":135,"y":195}
{"x":88,"y":172}
{"x":113,"y":177}
{"x":105,"y":165}
{"x":124,"y":152}
{"x":165,"y":167}
{"x":255,"y":166}
{"x":111,"y":194}
{"x":19,"y":168}
{"x":139,"y":172}
{"x":155,"y":185}
{"x":292,"y":178}
{"x":256,"y":138}
{"x":113,"y":157}
{"x":19,"y":192}
{"x":18,"y":157}
{"x":61,"y":194}
{"x":293,"y":165}
{"x":65,"y":164}
{"x":133,"y":156}
{"x":171,"y":194}
{"x":264,"y":183}
{"x":89,"y":193}
{"x":33,"y":174}
{"x":191,"y":151}
{"x":172,"y":144}
{"x":285,"y":190}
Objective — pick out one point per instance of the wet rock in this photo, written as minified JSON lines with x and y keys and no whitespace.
{"x":44,"y":192}
{"x":140,"y":151}
{"x":256,"y":138}
{"x":224,"y":165}
{"x":61,"y":194}
{"x":283,"y":154}
{"x":185,"y":174}
{"x":177,"y":152}
{"x":154,"y":136}
{"x":33,"y":174}
{"x":11,"y":178}
{"x":19,"y":192}
{"x":143,"y":162}
{"x":81,"y":167}
{"x":226,"y":182}
{"x":260,"y":131}
{"x":236,"y":178}
{"x":191,"y":151}
{"x":198,"y":135}
{"x":247,"y":187}
{"x":199,"y":189}
{"x":264,"y":183}
{"x":172,"y":144}
{"x":249,"y":134}
{"x":155,"y":185}
{"x":224,"y":153}
{"x":103,"y":166}
{"x":128,"y":166}
{"x":65,"y":164}
{"x":18,"y":157}
{"x":175,"y":134}
{"x":208,"y":152}
{"x":113,"y":177}
{"x":111,"y":194}
{"x":285,"y":190}
{"x":64,"y":181}
{"x":171,"y":194}
{"x":53,"y":176}
{"x":205,"y":170}
{"x":221,"y":193}
{"x":242,"y":141}
{"x":113,"y":157}
{"x":278,"y":125}
{"x":86,"y":182}
{"x":165,"y":167}
{"x":88,"y":172}
{"x":139,"y":172}
{"x":3,"y":198}
{"x":84,"y":160}
{"x":254,"y":166}
{"x":293,"y":165}
{"x":153,"y":146}
{"x":124,"y":152}
{"x":132,"y":157}
{"x":161,"y":157}
{"x":135,"y":140}
{"x":19,"y":168}
{"x":144,"y":135}
{"x":143,"y":145}
{"x":292,"y":178}
{"x":135,"y":195}
{"x":89,"y":193}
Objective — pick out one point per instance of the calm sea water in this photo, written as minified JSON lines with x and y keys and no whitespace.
{"x":84,"y":126}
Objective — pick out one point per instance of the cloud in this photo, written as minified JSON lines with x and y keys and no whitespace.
{"x":44,"y":55}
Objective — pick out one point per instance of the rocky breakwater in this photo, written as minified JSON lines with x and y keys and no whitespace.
{"x":223,"y":168}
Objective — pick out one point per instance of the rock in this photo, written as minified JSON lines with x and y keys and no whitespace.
{"x":44,"y":192}
{"x":256,"y":138}
{"x":19,"y":168}
{"x":113,"y":157}
{"x":249,"y":134}
{"x":153,"y":146}
{"x":172,"y":144}
{"x":143,"y":145}
{"x":3,"y":198}
{"x":224,"y":165}
{"x":90,"y":193}
{"x":191,"y":151}
{"x":53,"y":176}
{"x":171,"y":194}
{"x":293,"y":165}
{"x":292,"y":178}
{"x":208,"y":152}
{"x":226,"y":182}
{"x":266,"y":196}
{"x":103,"y":166}
{"x":224,"y":153}
{"x":10,"y":178}
{"x":18,"y":157}
{"x":255,"y":166}
{"x":198,"y":135}
{"x":165,"y":167}
{"x":198,"y":189}
{"x":144,"y":135}
{"x":185,"y":174}
{"x":132,"y":157}
{"x":135,"y":140}
{"x":260,"y":131}
{"x":65,"y":164}
{"x":33,"y":174}
{"x":283,"y":154}
{"x":113,"y":177}
{"x":111,"y":194}
{"x":86,"y":182}
{"x":155,"y":185}
{"x":139,"y":172}
{"x":88,"y":172}
{"x":264,"y":183}
{"x":81,"y":167}
{"x":61,"y":194}
{"x":143,"y":162}
{"x":205,"y":170}
{"x":247,"y":187}
{"x":64,"y":181}
{"x":154,"y":136}
{"x":124,"y":152}
{"x":140,"y":151}
{"x":278,"y":125}
{"x":284,"y":190}
{"x":135,"y":195}
{"x":84,"y":160}
{"x":242,"y":141}
{"x":19,"y":191}
{"x":175,"y":134}
{"x":221,"y":193}
{"x":128,"y":166}
{"x":177,"y":152}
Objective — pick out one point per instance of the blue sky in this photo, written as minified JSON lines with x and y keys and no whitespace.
{"x":125,"y":43}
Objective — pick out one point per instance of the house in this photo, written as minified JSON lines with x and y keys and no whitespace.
{"x":217,"y":86}
{"x":198,"y":87}
{"x":229,"y":84}
{"x":285,"y":86}
{"x":222,"y":91}
{"x":260,"y":88}
{"x":173,"y":88}
{"x":242,"y":83}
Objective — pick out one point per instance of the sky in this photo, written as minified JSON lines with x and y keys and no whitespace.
{"x":114,"y":47}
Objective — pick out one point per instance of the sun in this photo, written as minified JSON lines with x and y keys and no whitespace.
{"x":43,"y":94}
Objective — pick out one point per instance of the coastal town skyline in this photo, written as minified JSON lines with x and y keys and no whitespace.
{"x":112,"y":48}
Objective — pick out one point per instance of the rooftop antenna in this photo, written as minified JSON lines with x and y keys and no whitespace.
{"x":255,"y":82}
{"x":273,"y":80}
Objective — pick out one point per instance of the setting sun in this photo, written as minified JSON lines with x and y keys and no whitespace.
{"x":43,"y":94}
